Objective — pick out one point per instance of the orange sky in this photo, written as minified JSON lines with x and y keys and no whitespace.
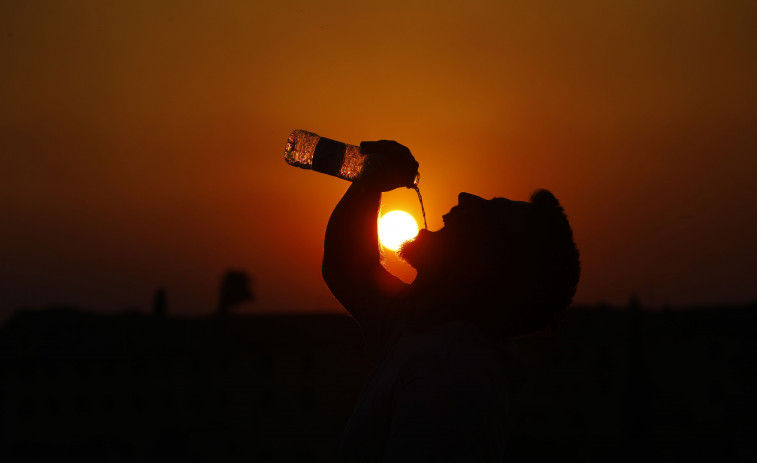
{"x":141,"y":143}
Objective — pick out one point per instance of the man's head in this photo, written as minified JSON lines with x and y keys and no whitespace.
{"x":515,"y":262}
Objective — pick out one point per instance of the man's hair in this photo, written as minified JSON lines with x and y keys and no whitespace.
{"x":537,"y":273}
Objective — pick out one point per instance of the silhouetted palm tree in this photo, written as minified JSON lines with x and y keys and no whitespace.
{"x":235,"y":288}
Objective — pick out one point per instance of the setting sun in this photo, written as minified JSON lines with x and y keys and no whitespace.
{"x":395,"y":228}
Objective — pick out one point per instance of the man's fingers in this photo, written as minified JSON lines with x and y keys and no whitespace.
{"x":392,"y":164}
{"x":386,"y":147}
{"x":367,"y":146}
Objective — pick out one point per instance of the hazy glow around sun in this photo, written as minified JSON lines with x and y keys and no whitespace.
{"x":396,"y":227}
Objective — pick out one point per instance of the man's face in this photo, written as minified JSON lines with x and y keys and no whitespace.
{"x":468,"y":228}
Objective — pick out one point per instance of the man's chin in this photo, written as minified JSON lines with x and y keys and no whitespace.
{"x":410,"y":250}
{"x":406,"y":252}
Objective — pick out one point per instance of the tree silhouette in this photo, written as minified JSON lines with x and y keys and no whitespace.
{"x":235,"y":288}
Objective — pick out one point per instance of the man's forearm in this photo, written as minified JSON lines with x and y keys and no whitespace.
{"x":351,"y":244}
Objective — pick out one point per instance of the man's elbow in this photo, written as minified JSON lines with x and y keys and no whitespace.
{"x":329,"y":272}
{"x":334,"y":274}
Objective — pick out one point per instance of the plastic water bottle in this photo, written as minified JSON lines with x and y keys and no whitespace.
{"x":310,"y":151}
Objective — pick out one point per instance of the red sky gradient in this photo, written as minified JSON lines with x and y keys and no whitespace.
{"x":141,"y":143}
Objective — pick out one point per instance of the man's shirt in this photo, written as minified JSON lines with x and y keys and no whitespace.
{"x":437,"y":394}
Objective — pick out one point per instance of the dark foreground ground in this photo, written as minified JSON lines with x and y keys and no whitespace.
{"x":612,"y":385}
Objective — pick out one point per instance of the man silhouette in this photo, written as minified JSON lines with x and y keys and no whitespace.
{"x":497,"y":269}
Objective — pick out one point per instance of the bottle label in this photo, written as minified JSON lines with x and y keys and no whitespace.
{"x":328,"y":156}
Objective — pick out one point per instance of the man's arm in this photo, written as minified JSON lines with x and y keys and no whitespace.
{"x":351,"y":260}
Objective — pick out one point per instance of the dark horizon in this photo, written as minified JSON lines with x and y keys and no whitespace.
{"x":251,"y":309}
{"x":608,"y":385}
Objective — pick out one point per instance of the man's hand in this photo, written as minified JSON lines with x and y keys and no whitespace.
{"x":391,"y":165}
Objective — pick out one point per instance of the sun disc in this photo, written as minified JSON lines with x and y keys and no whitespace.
{"x":395,"y":228}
